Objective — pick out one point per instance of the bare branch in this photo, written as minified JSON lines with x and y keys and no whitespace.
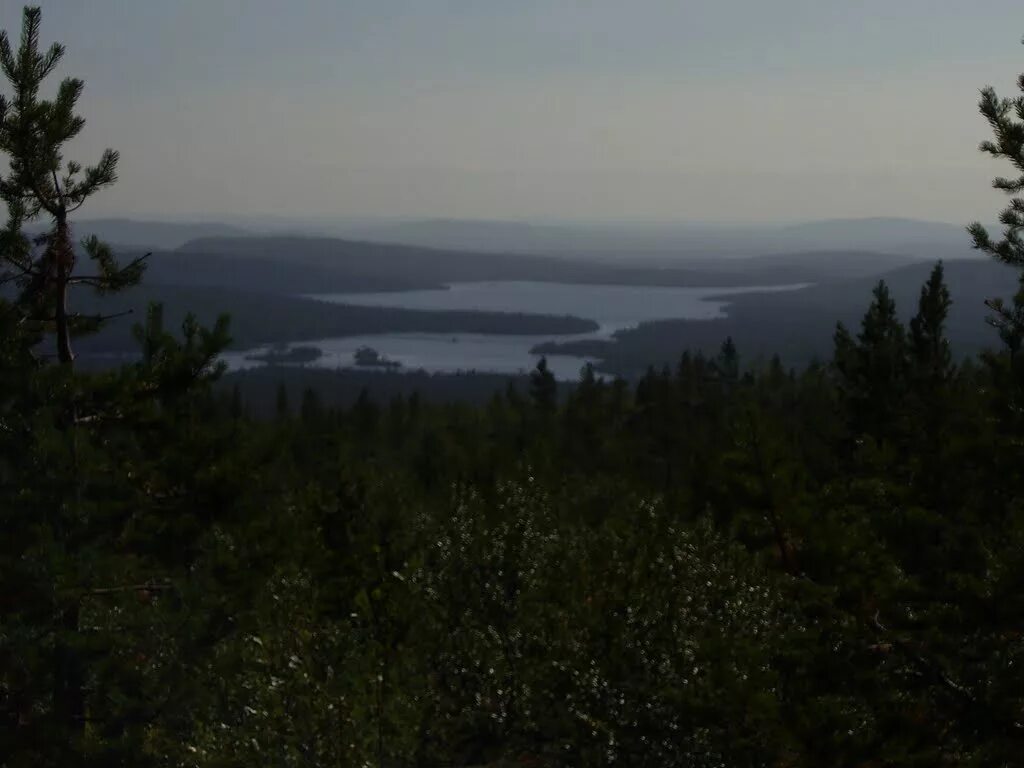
{"x":97,"y":281}
{"x":26,"y":271}
{"x":102,"y":318}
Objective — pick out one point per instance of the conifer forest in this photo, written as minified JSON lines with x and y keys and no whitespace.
{"x":733,"y":560}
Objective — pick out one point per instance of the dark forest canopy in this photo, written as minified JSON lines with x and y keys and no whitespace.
{"x":719,"y":564}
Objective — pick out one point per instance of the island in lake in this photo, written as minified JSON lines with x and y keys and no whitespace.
{"x":370,"y":357}
{"x":288,"y":355}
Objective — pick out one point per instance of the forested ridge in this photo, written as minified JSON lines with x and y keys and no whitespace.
{"x":717,"y":565}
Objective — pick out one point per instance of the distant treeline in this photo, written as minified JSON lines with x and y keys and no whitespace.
{"x":261,"y":388}
{"x":266,"y":318}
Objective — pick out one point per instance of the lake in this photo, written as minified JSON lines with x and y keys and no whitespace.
{"x":612,"y":307}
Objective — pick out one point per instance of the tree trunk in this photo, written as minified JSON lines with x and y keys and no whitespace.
{"x":69,"y":681}
{"x":69,"y":673}
{"x":64,"y":257}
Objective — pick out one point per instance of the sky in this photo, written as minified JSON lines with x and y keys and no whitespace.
{"x":600,"y":110}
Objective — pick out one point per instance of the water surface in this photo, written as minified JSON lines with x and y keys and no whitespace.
{"x":612,"y":307}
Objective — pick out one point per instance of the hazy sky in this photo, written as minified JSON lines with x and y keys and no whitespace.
{"x":689,"y":110}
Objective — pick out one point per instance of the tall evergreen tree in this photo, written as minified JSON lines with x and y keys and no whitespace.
{"x":1005,"y":116}
{"x":40,"y":183}
{"x":728,"y":362}
{"x":310,"y":410}
{"x":873,"y":367}
{"x":281,"y":407}
{"x":930,"y":354}
{"x":34,"y":133}
{"x":106,"y":486}
{"x":931,"y":379}
{"x":543,"y":388}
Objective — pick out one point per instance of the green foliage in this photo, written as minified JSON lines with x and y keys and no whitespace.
{"x":543,"y":389}
{"x":111,"y":493}
{"x":41,"y":182}
{"x":710,"y":566}
{"x":873,"y":368}
{"x":930,"y":355}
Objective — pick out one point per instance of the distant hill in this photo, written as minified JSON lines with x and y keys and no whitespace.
{"x":893,"y":234}
{"x":431,"y":266}
{"x":634,"y":244}
{"x":164,"y":235}
{"x":622,"y":242}
{"x":378,"y":259}
{"x":799,"y":325}
{"x":489,"y":236}
{"x":670,"y":243}
{"x":811,"y":266}
{"x":264,"y":275}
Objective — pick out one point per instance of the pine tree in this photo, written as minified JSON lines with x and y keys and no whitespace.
{"x":873,"y":368}
{"x":728,"y":362}
{"x":281,"y":407}
{"x":237,"y":407}
{"x":543,"y":388}
{"x":34,"y":133}
{"x":41,"y":183}
{"x":108,"y":482}
{"x":931,"y":370}
{"x":1005,"y":116}
{"x":584,"y":420}
{"x":930,"y":379}
{"x":929,"y":349}
{"x":311,"y":411}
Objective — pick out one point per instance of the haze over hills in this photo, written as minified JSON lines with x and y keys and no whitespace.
{"x":627,"y":241}
{"x":658,"y":242}
{"x":142,"y":234}
{"x":879,"y":232}
{"x":281,"y":275}
{"x":808,"y":266}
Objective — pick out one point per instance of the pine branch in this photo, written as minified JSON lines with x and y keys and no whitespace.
{"x":25,"y":271}
{"x":934,"y":671}
{"x":99,"y":281}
